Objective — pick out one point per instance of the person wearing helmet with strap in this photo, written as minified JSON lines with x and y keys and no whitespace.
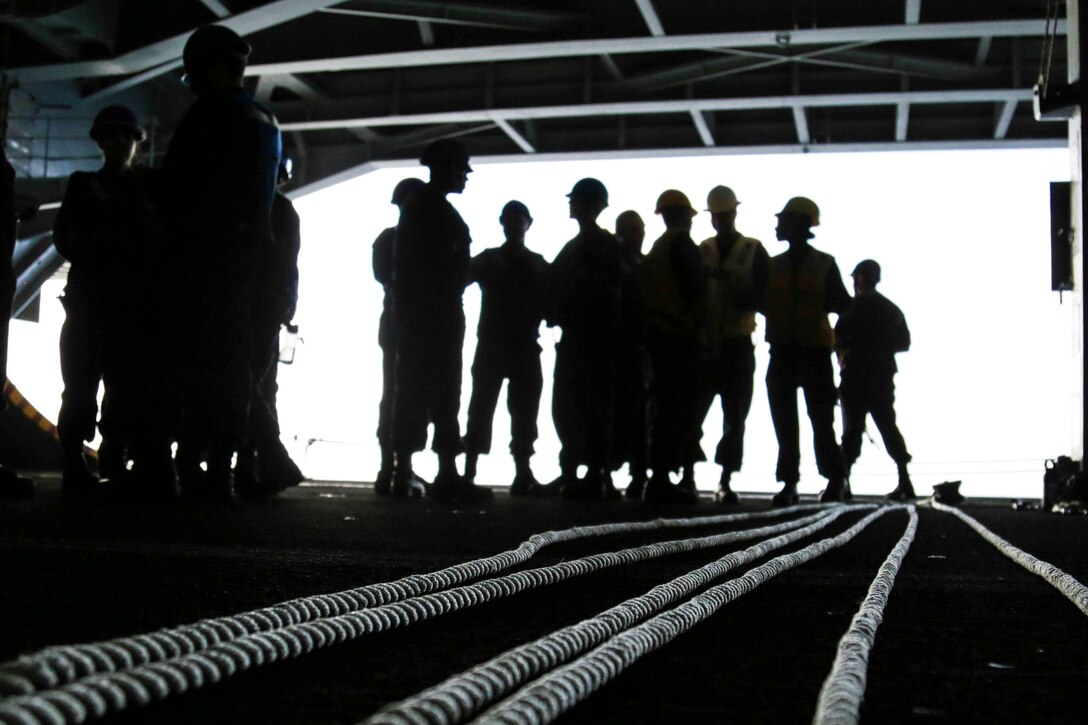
{"x":106,"y":231}
{"x":219,"y":181}
{"x":673,"y":288}
{"x":382,"y":262}
{"x":511,"y":280}
{"x":804,"y":286}
{"x":586,"y":299}
{"x":736,"y":268}
{"x":867,"y":339}
{"x":431,"y":261}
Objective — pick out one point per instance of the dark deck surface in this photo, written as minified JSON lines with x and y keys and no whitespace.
{"x":968,"y":635}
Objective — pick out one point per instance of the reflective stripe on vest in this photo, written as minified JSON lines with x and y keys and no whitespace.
{"x":795,"y":302}
{"x":725,"y":280}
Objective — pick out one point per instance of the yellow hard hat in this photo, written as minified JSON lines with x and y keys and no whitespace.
{"x":804,"y":207}
{"x":721,"y":199}
{"x":673,"y":199}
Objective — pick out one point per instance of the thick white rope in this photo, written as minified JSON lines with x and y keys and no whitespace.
{"x":843,"y":690}
{"x":59,"y":665}
{"x":555,"y":693}
{"x":464,"y":695}
{"x":95,"y":695}
{"x":1073,"y":590}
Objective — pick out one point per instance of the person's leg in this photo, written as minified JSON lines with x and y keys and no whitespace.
{"x":81,"y":371}
{"x":820,"y":398}
{"x":782,"y":397}
{"x":487,"y":377}
{"x":523,"y":402}
{"x":737,"y":381}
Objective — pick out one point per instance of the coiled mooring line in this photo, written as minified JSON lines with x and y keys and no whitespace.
{"x":464,"y":695}
{"x":56,"y":666}
{"x":83,"y":696}
{"x":555,"y":693}
{"x":843,"y":690}
{"x":1072,"y":589}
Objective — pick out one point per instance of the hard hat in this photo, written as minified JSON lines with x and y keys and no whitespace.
{"x":444,"y":151}
{"x":117,"y":118}
{"x":721,"y":199}
{"x":406,"y":188}
{"x":210,"y":41}
{"x":673,"y":199}
{"x":804,"y":207}
{"x":516,"y":207}
{"x":869,"y":269}
{"x":589,"y":188}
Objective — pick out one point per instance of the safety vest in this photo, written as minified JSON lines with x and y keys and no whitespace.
{"x":666,"y":311}
{"x":726,"y":279}
{"x":795,"y":310}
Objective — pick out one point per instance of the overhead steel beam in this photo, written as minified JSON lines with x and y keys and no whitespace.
{"x":1001,"y":95}
{"x":913,"y":12}
{"x":169,"y":50}
{"x":469,"y":14}
{"x":612,"y":68}
{"x":217,"y":7}
{"x":1005,"y":119}
{"x":663,"y":44}
{"x":649,"y":15}
{"x":800,"y":121}
{"x":902,"y":120}
{"x":426,"y":32}
{"x":521,"y":141}
{"x":701,"y":126}
{"x":983,"y":51}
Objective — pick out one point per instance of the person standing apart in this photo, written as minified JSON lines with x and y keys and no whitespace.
{"x":867,"y":338}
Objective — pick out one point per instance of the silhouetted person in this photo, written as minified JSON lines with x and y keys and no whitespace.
{"x":431,"y":261}
{"x":511,"y":280}
{"x":736,"y":269}
{"x":264,"y":466}
{"x":220,"y":180}
{"x":630,"y":442}
{"x":804,"y":286}
{"x":867,"y":338}
{"x":12,"y":486}
{"x":586,"y":299}
{"x":673,"y":289}
{"x":382,"y":262}
{"x":104,"y":229}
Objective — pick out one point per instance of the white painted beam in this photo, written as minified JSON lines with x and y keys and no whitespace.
{"x":902,"y":120}
{"x":516,"y":137}
{"x":674,"y":106}
{"x":426,"y":33}
{"x":218,"y":8}
{"x":800,"y":120}
{"x":702,"y":127}
{"x":983,"y":51}
{"x":913,"y":12}
{"x":1005,"y":119}
{"x":649,"y":15}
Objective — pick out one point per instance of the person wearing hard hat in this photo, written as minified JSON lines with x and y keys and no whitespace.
{"x":736,"y":269}
{"x":431,"y":263}
{"x":382,"y":263}
{"x":586,"y":299}
{"x":673,"y":288}
{"x":867,"y":337}
{"x":804,"y":286}
{"x":511,"y":279}
{"x":219,"y":177}
{"x":630,"y":441}
{"x":106,"y":230}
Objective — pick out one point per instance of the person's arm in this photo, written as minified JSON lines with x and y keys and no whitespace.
{"x":901,"y":339}
{"x":688,"y":265}
{"x":837,"y":299}
{"x":751,"y":299}
{"x":73,"y":230}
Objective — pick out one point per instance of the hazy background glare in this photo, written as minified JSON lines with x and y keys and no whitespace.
{"x":982,"y":396}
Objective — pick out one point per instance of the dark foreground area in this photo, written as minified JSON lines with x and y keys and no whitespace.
{"x":968,"y":635}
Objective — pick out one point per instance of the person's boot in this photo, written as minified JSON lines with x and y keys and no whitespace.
{"x":153,"y":475}
{"x":948,"y":493}
{"x":787,"y":496}
{"x":216,"y":484}
{"x":725,"y":495}
{"x":383,"y":482}
{"x":661,"y":490}
{"x":687,"y":484}
{"x":638,"y":482}
{"x":470,"y":466}
{"x":525,"y":483}
{"x":594,"y":486}
{"x":405,"y":482}
{"x":835,"y":491}
{"x":111,"y":459}
{"x":247,"y":484}
{"x":77,"y":479}
{"x":275,"y":469}
{"x":904,"y":490}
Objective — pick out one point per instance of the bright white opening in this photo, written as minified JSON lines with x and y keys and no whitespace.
{"x":983,"y":395}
